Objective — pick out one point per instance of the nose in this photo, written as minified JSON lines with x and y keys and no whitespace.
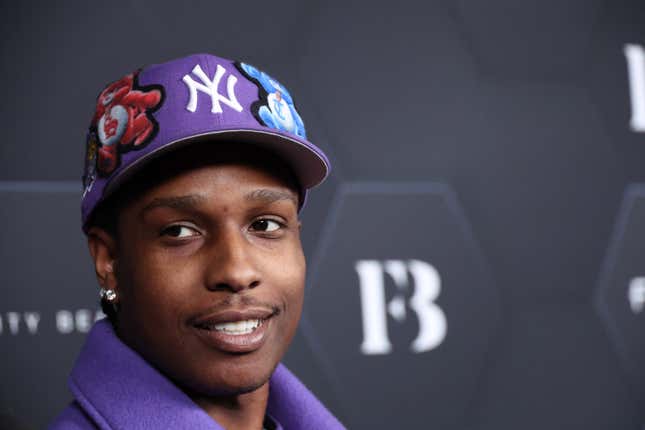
{"x":231,"y":266}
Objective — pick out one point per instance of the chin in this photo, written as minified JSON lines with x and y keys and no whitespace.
{"x":231,"y":380}
{"x":229,"y":388}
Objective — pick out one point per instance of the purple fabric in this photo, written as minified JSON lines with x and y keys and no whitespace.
{"x":176,"y":124}
{"x":114,"y":388}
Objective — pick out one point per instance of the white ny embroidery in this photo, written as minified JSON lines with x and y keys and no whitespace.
{"x":210,"y":87}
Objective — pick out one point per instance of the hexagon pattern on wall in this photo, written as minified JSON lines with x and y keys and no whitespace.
{"x":620,"y":296}
{"x":401,"y":304}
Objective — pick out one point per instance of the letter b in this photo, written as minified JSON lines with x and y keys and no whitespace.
{"x":427,"y":286}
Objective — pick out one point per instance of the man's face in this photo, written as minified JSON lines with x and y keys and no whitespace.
{"x":210,"y":276}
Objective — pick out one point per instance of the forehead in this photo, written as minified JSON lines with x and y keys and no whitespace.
{"x":201,"y":165}
{"x":218,"y":188}
{"x":226,"y":179}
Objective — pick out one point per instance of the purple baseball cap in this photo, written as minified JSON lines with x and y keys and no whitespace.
{"x":162,"y":107}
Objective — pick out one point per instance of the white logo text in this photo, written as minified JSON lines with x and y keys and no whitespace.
{"x":635,"y":55}
{"x":427,"y":286}
{"x":211,"y":87}
{"x":636,"y":294}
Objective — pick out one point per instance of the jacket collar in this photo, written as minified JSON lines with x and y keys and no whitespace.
{"x":120,"y":390}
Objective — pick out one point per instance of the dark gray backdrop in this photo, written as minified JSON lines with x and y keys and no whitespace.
{"x":485,"y":143}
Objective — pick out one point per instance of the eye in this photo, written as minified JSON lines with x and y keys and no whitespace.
{"x":267,"y":225}
{"x":179,"y":231}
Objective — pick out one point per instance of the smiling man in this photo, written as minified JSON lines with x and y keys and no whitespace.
{"x":191,"y":209}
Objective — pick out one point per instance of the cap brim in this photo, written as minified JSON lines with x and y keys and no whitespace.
{"x":309,"y":164}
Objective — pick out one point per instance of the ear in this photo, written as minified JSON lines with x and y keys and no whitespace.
{"x":103,"y":249}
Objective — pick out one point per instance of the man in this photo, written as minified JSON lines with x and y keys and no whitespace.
{"x":191,"y":208}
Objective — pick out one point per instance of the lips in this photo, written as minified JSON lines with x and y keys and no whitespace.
{"x":234,"y":331}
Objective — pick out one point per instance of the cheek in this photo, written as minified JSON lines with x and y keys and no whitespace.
{"x":148,"y":263}
{"x":292,"y":280}
{"x":151,"y":284}
{"x":153,"y":307}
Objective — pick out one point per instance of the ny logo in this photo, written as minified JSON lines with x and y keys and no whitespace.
{"x":427,"y":286}
{"x":636,"y":294}
{"x":211,"y":87}
{"x":635,"y":55}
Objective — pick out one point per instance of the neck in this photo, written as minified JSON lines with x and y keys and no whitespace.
{"x":241,"y":411}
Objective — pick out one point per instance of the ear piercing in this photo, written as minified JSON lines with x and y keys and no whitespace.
{"x":109,"y":295}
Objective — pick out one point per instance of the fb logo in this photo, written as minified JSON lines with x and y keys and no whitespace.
{"x":636,"y":294}
{"x":211,"y":87}
{"x":427,"y":286}
{"x":635,"y":55}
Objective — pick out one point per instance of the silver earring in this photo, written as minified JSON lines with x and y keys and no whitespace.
{"x":109,"y":295}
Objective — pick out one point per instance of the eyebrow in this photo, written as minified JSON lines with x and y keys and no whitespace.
{"x":190,"y":201}
{"x":267,"y":196}
{"x":176,"y":202}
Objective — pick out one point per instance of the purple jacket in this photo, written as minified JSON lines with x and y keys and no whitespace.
{"x":114,"y":388}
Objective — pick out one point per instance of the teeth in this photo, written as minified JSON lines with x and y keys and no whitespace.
{"x":237,"y":327}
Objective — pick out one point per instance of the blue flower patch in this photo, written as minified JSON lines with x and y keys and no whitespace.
{"x":275,"y":109}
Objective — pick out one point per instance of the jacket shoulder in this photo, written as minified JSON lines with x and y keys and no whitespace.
{"x":72,"y":418}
